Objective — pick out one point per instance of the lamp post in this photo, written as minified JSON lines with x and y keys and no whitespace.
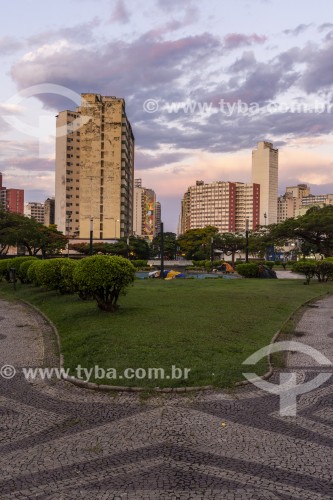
{"x":212,"y":249}
{"x":91,"y":235}
{"x":247,"y":240}
{"x":162,"y":251}
{"x":67,"y":222}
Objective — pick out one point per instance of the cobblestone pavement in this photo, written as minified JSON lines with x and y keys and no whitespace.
{"x":62,"y":442}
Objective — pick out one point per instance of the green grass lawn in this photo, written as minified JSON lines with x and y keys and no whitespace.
{"x":209,"y":326}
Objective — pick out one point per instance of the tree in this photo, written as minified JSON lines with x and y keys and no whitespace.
{"x":170,"y":246}
{"x":104,"y":277}
{"x":16,"y":229}
{"x":315,"y":229}
{"x":138,"y":248}
{"x":9,"y":225}
{"x":230,"y":244}
{"x":196,"y":244}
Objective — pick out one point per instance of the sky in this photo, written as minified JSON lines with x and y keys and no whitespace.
{"x":203,"y":83}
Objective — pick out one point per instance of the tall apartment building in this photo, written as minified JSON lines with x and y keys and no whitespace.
{"x":225,"y":205}
{"x":94,"y":169}
{"x":67,"y":173}
{"x":158,"y":218}
{"x":34,"y":210}
{"x":317,"y":199}
{"x":209,"y":205}
{"x":144,"y":213}
{"x":49,"y":211}
{"x":11,"y":199}
{"x":289,"y":204}
{"x":247,"y":206}
{"x":265,"y":161}
{"x":106,"y":168}
{"x":3,"y":205}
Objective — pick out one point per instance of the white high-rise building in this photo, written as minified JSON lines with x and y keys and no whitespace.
{"x":265,"y":161}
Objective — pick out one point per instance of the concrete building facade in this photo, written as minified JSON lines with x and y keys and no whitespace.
{"x":15,"y":201}
{"x":34,"y":210}
{"x":247,"y":206}
{"x":67,"y":173}
{"x":265,"y":162}
{"x":11,"y":199}
{"x":144,"y":213}
{"x":158,"y":218}
{"x":211,"y":204}
{"x":225,"y":205}
{"x":106,"y":168}
{"x":49,"y":211}
{"x":289,"y":204}
{"x":95,"y":169}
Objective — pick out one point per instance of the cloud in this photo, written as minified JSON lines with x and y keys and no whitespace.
{"x":120,"y":14}
{"x":298,"y":30}
{"x":9,"y":45}
{"x":145,"y":160}
{"x":246,"y":61}
{"x":325,"y":26}
{"x":318,"y":74}
{"x":236,"y":40}
{"x":81,"y":33}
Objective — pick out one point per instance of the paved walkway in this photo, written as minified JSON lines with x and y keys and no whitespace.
{"x":61,"y":442}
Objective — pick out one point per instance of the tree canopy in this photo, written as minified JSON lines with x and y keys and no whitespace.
{"x":313,"y":231}
{"x":196,"y":244}
{"x":19,"y":230}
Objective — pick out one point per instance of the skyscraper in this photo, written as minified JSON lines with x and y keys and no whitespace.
{"x":67,"y":173}
{"x":95,"y":169}
{"x":49,"y":205}
{"x":265,"y":173}
{"x":106,"y":168}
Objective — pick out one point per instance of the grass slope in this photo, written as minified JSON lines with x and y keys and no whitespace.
{"x":209,"y":326}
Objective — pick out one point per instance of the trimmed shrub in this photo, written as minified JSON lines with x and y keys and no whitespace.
{"x":5,"y":265}
{"x":104,"y":277}
{"x":23,"y":270}
{"x":305,"y":267}
{"x":18,"y":263}
{"x":324,"y":270}
{"x":49,"y":274}
{"x":32,"y":271}
{"x":249,"y":270}
{"x":139,"y":264}
{"x":67,"y":281}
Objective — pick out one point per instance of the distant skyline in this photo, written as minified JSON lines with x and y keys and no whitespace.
{"x":218,"y":59}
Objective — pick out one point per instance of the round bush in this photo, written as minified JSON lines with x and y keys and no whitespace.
{"x":67,"y":284}
{"x":18,"y":263}
{"x":49,"y":274}
{"x":5,"y":264}
{"x":32,"y":271}
{"x":23,"y":270}
{"x":307,"y":268}
{"x":249,"y":270}
{"x":104,"y":277}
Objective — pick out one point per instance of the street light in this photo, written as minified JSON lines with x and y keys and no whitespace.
{"x":67,"y":222}
{"x":247,"y":240}
{"x":91,"y":235}
{"x":162,"y":250}
{"x":212,"y":249}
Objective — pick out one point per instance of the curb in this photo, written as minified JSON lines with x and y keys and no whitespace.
{"x":178,"y":390}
